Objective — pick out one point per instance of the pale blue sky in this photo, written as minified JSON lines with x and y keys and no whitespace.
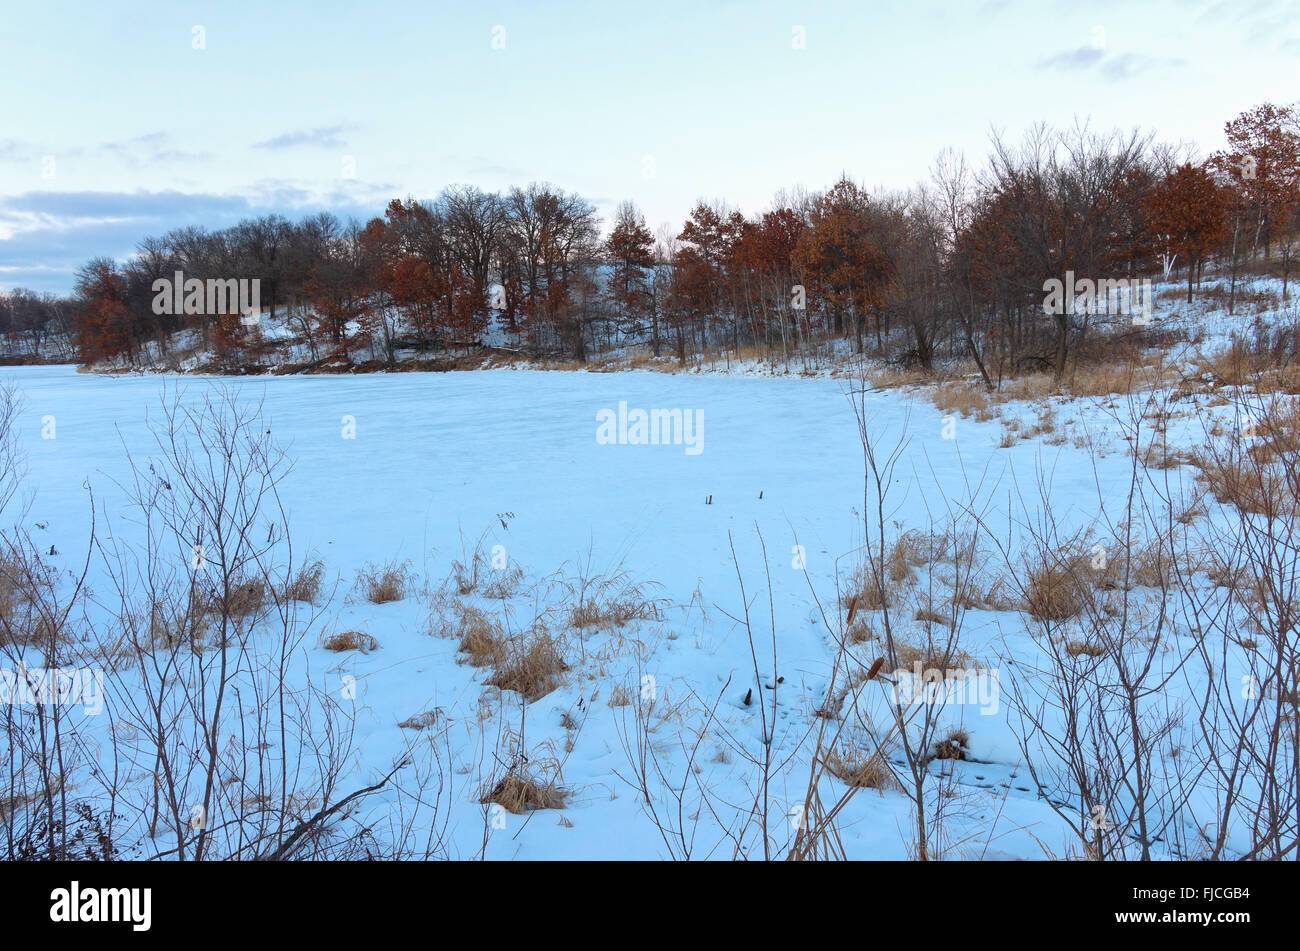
{"x":710,"y":98}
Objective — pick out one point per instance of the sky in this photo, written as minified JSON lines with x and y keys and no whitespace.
{"x":123,"y":120}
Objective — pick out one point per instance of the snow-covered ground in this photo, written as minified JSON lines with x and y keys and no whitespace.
{"x":421,"y":467}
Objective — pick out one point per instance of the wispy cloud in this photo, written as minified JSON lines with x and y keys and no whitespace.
{"x":1112,"y":66}
{"x":1264,"y":23}
{"x":137,"y":152}
{"x":324,"y":137}
{"x":150,"y":149}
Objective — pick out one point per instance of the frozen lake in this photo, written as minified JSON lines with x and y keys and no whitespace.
{"x":406,"y":466}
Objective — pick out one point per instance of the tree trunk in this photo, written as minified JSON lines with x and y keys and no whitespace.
{"x":1062,"y":344}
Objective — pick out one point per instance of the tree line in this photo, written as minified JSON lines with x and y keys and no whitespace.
{"x":954,"y":266}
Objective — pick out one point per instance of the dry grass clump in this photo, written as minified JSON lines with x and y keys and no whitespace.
{"x":504,"y":583}
{"x":521,"y":790}
{"x":891,"y":377}
{"x":863,"y":770}
{"x":245,"y":598}
{"x":1225,"y":573}
{"x":381,"y":584}
{"x":1279,"y":427}
{"x":964,"y":398}
{"x":167,"y":626}
{"x":858,"y":631}
{"x":1046,"y":424}
{"x":1000,"y":596}
{"x":1028,"y":387}
{"x":351,"y":641}
{"x":421,"y":721}
{"x":928,"y":615}
{"x":1254,"y":488}
{"x":932,"y":656}
{"x":531,"y":664}
{"x":306,"y":584}
{"x":914,"y":548}
{"x":863,"y":593}
{"x":1269,"y":366}
{"x":909,"y":551}
{"x":25,"y":586}
{"x":1152,"y":566}
{"x":465,"y":577}
{"x":1054,"y":592}
{"x":956,"y":745}
{"x":1103,"y":379}
{"x":974,"y":593}
{"x":470,"y":571}
{"x":1157,"y":455}
{"x":1075,"y":648}
{"x":620,"y":697}
{"x":479,"y":636}
{"x":611,"y":601}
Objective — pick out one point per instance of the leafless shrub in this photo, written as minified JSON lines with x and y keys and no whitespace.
{"x":199,"y":641}
{"x":28,"y":587}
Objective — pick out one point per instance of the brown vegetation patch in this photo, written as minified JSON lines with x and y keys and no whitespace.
{"x":351,"y":641}
{"x":381,"y":584}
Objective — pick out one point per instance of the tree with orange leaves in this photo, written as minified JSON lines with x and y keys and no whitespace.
{"x":698,"y":268}
{"x":1187,"y":213}
{"x":841,"y":252}
{"x":104,"y":324}
{"x":630,"y":248}
{"x":1263,"y":161}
